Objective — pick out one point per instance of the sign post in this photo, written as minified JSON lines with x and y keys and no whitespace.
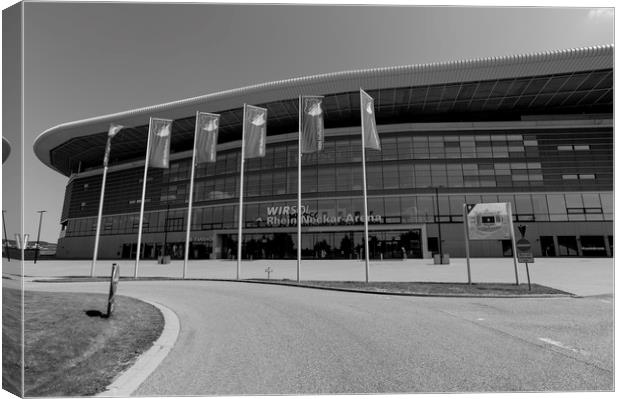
{"x":465,"y":211}
{"x":113,"y":285}
{"x":524,"y":254}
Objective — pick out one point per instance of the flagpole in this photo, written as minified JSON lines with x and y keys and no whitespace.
{"x":241,"y":193}
{"x":146,"y":167}
{"x":299,"y":212}
{"x":191,"y":199}
{"x":365,"y":193}
{"x":100,"y":213}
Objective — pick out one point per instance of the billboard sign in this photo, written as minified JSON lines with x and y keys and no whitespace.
{"x":490,"y":221}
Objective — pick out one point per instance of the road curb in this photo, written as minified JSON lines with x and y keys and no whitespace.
{"x":564,"y":294}
{"x":130,"y":380}
{"x":416,"y":294}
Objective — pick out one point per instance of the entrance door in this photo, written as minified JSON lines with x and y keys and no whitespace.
{"x":567,"y":246}
{"x":547,"y":247}
{"x":126,"y":254}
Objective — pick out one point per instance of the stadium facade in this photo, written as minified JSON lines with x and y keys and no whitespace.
{"x":533,"y":130}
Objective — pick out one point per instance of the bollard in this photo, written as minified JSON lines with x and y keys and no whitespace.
{"x":113,"y":285}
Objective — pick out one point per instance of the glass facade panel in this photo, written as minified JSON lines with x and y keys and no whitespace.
{"x":471,"y":166}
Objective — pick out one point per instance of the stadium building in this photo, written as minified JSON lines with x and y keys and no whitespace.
{"x":533,"y":130}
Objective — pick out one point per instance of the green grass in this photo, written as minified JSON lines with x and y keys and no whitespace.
{"x":69,"y":353}
{"x":432,"y":288}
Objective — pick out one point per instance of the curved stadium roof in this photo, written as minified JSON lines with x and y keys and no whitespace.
{"x":565,"y":81}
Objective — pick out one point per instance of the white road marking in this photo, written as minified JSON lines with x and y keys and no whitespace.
{"x":563,"y":346}
{"x":480,"y":319}
{"x":604,"y":300}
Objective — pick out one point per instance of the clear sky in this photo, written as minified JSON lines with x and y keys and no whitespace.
{"x":84,"y":60}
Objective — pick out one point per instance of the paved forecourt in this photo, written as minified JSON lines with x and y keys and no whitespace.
{"x":249,"y":339}
{"x":581,"y":276}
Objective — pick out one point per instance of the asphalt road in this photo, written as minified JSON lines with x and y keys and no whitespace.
{"x":239,"y":339}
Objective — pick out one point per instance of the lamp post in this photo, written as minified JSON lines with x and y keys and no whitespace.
{"x":36,"y":252}
{"x":438,"y":224}
{"x":6,"y":241}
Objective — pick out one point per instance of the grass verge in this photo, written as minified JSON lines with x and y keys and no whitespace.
{"x":11,"y":339}
{"x":69,"y":353}
{"x":393,"y":287}
{"x":431,"y":288}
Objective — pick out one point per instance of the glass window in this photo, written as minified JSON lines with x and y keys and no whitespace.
{"x":539,"y":203}
{"x":456,"y":204}
{"x":326,"y":207}
{"x":557,"y":207}
{"x":607,"y":202}
{"x":471,"y":181}
{"x":279,"y":156}
{"x":343,"y":207}
{"x":420,"y":147}
{"x":508,"y":198}
{"x":327,"y":156}
{"x":356,"y":178}
{"x":422,"y":175}
{"x":252,"y":185}
{"x":227,"y":220}
{"x":392,"y":206}
{"x":405,"y":148}
{"x":279,"y":183}
{"x":573,"y":201}
{"x":326,"y":179}
{"x":343,"y":178}
{"x":291,"y":181}
{"x":265,"y":183}
{"x":455,"y":180}
{"x":426,"y":208}
{"x":357,"y":206}
{"x":390,"y":176}
{"x":406,"y":176}
{"x":444,"y":205}
{"x":567,"y":245}
{"x":267,"y":160}
{"x":389,"y":149}
{"x":408,"y":209}
{"x":308,"y":180}
{"x":375,"y":206}
{"x":524,"y":204}
{"x":500,"y":151}
{"x":473,"y":199}
{"x":438,"y":174}
{"x":220,"y":164}
{"x":291,"y":155}
{"x":373,"y":177}
{"x":250,"y":212}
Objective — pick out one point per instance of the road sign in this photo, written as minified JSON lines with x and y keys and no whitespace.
{"x":524,"y":251}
